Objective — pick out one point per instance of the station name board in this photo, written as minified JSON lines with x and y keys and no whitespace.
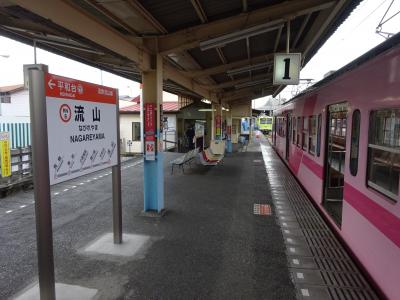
{"x":81,"y":127}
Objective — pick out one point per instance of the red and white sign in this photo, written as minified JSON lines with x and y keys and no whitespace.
{"x":218,"y":125}
{"x":150,"y":130}
{"x":82,"y":127}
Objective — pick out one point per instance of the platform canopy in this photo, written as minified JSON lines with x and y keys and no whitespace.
{"x":221,"y":50}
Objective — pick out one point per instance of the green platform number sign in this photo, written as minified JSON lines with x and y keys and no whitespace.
{"x":287,"y":68}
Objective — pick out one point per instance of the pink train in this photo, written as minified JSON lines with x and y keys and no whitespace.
{"x":341,"y":139}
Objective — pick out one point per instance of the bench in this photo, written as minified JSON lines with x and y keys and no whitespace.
{"x":184,"y":159}
{"x":213,"y":155}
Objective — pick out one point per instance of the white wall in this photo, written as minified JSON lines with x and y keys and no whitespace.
{"x":19,"y":106}
{"x":125,"y":127}
{"x":125,"y":124}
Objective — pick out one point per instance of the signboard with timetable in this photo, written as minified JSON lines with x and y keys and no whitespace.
{"x":150,"y":131}
{"x":81,"y":126}
{"x":287,"y":68}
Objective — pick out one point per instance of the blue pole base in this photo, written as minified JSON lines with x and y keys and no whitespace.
{"x":154,"y":184}
{"x":229,"y":146}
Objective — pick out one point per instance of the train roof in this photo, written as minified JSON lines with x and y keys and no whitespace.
{"x":381,"y":48}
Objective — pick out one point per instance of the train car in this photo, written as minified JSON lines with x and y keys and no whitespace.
{"x":264,"y":124}
{"x":341,"y":139}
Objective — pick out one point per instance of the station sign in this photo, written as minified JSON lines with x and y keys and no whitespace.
{"x":287,"y":68}
{"x":81,"y":127}
{"x":5,"y":154}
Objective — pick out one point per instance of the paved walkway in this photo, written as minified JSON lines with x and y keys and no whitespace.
{"x":210,"y":245}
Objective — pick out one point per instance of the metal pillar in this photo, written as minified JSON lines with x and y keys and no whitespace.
{"x":116,"y":188}
{"x":153,"y":169}
{"x":41,"y":181}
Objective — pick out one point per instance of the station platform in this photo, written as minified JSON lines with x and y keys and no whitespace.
{"x":240,"y":230}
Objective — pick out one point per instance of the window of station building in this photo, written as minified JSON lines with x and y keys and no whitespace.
{"x":5,"y":99}
{"x":319,"y":135}
{"x":355,"y":137}
{"x":312,"y":135}
{"x":136,"y":131}
{"x":304,"y":134}
{"x":298,"y":133}
{"x":384,"y":152}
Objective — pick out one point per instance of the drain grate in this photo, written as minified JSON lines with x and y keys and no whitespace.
{"x":262,"y":209}
{"x":314,"y":250}
{"x":351,"y":294}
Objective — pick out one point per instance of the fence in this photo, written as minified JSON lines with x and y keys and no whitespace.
{"x":20,"y":134}
{"x":21,"y":169}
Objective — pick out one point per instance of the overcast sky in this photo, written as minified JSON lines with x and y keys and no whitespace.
{"x":352,"y":39}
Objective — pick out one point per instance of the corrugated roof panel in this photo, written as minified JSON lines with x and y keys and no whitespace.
{"x":263,"y":43}
{"x":235,"y":51}
{"x":221,"y":9}
{"x":206,"y":59}
{"x":167,"y":107}
{"x":256,"y":4}
{"x":220,"y":78}
{"x":172,"y":14}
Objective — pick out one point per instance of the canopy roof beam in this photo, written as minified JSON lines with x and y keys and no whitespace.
{"x":191,"y":37}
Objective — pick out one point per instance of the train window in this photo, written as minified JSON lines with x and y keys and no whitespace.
{"x":355,"y":137}
{"x":384,"y":152}
{"x":294,"y":126}
{"x":299,"y":124}
{"x":312,"y":135}
{"x":319,"y":135}
{"x":304,"y":134}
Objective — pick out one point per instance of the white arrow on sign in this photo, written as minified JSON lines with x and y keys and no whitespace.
{"x":51,"y":84}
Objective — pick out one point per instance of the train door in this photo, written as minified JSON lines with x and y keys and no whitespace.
{"x":336,"y":129}
{"x":288,"y":134}
{"x":274,"y":130}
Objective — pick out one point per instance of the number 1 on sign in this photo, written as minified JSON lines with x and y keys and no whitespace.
{"x":287,"y":66}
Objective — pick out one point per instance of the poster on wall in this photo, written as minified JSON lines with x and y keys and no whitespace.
{"x":81,"y":127}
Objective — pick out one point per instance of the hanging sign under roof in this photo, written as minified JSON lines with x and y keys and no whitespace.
{"x":287,"y":68}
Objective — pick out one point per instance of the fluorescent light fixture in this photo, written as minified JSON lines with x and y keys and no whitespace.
{"x":207,"y":109}
{"x":204,"y":100}
{"x":221,"y":41}
{"x":226,"y":109}
{"x":252,"y":83}
{"x":248,"y":68}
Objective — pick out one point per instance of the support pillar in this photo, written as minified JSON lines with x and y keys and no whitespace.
{"x":229,"y":131}
{"x":153,"y":151}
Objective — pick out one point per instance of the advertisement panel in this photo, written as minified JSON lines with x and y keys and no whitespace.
{"x":150,"y":131}
{"x":5,"y":154}
{"x":218,"y":125}
{"x":81,"y":127}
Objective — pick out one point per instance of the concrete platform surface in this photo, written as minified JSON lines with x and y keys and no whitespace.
{"x":209,"y":245}
{"x":63,"y":292}
{"x":131,"y":245}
